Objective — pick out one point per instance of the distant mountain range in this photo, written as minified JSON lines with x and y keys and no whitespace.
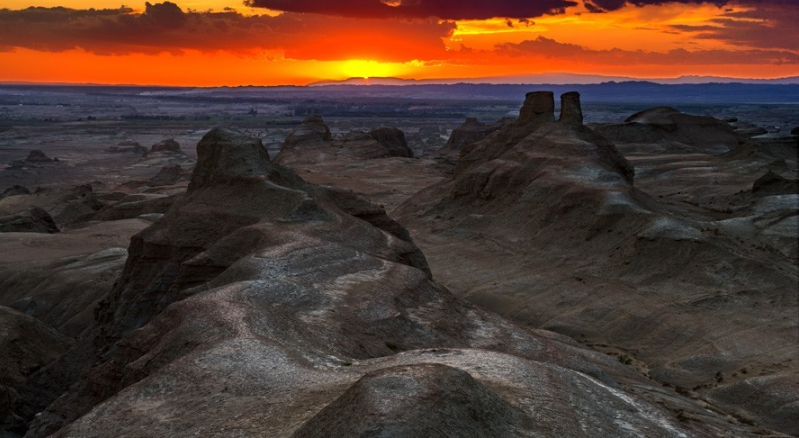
{"x":558,"y":79}
{"x":531,"y":79}
{"x":398,"y":91}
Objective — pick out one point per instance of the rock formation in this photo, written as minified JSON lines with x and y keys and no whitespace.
{"x":538,"y":108}
{"x":471,"y":131}
{"x":130,"y":146}
{"x":59,"y":278}
{"x":670,"y":130}
{"x":26,"y":345}
{"x":168,"y":145}
{"x":747,"y":129}
{"x":766,"y":148}
{"x":425,"y":400}
{"x":556,"y":139}
{"x":312,"y":131}
{"x":37,"y":156}
{"x":32,"y":220}
{"x":393,"y":140}
{"x":168,"y":175}
{"x":570,"y":109}
{"x":133,"y":206}
{"x":775,"y":184}
{"x":66,"y":205}
{"x":35,"y":159}
{"x":263,"y":305}
{"x":541,"y":222}
{"x":75,"y":205}
{"x":312,"y":143}
{"x":14,"y":191}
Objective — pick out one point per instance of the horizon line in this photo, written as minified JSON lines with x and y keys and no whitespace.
{"x":357,"y":81}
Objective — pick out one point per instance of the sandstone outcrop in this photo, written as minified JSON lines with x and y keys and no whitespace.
{"x":14,"y":191}
{"x":66,"y":205}
{"x":767,"y":148}
{"x":426,"y":400}
{"x":26,"y":345}
{"x":747,"y":129}
{"x":312,"y":131}
{"x":393,"y":140}
{"x":135,"y":205}
{"x":775,"y":184}
{"x":32,"y":220}
{"x":668,"y":129}
{"x":567,"y":140}
{"x":312,"y":143}
{"x":571,"y":110}
{"x":56,"y":281}
{"x":37,"y":156}
{"x":35,"y":159}
{"x":168,"y":175}
{"x":74,"y":204}
{"x":129,"y":146}
{"x":168,"y":145}
{"x":538,"y":108}
{"x":471,"y":131}
{"x":264,"y":305}
{"x":60,"y":278}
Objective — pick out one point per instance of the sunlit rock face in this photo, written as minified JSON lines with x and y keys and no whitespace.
{"x":544,"y":223}
{"x":262,"y":305}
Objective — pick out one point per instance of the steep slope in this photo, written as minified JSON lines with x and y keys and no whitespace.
{"x":261,"y":305}
{"x":59,"y":278}
{"x":26,"y":345}
{"x":471,"y":131}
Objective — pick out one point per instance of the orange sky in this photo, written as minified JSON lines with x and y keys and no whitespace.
{"x":216,"y":42}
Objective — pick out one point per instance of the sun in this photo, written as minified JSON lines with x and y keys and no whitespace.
{"x":359,"y":68}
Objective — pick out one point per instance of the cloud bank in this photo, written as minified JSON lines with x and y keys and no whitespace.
{"x":409,"y":9}
{"x":165,"y":27}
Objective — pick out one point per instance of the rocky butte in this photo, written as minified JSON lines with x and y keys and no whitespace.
{"x":312,"y":143}
{"x":542,"y":223}
{"x":263,"y":305}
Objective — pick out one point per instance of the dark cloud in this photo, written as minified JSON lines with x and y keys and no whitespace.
{"x":764,"y":24}
{"x":443,"y":9}
{"x":164,"y":27}
{"x":549,"y":48}
{"x":612,"y":5}
{"x":767,"y":24}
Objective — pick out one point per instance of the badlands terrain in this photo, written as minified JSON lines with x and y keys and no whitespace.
{"x":181,"y":263}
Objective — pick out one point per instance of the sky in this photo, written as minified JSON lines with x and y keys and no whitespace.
{"x":296,"y":42}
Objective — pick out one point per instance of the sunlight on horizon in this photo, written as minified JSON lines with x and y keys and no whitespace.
{"x":360,"y":68}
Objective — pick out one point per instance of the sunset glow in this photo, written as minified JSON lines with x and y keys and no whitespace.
{"x":221,"y":42}
{"x":358,"y":68}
